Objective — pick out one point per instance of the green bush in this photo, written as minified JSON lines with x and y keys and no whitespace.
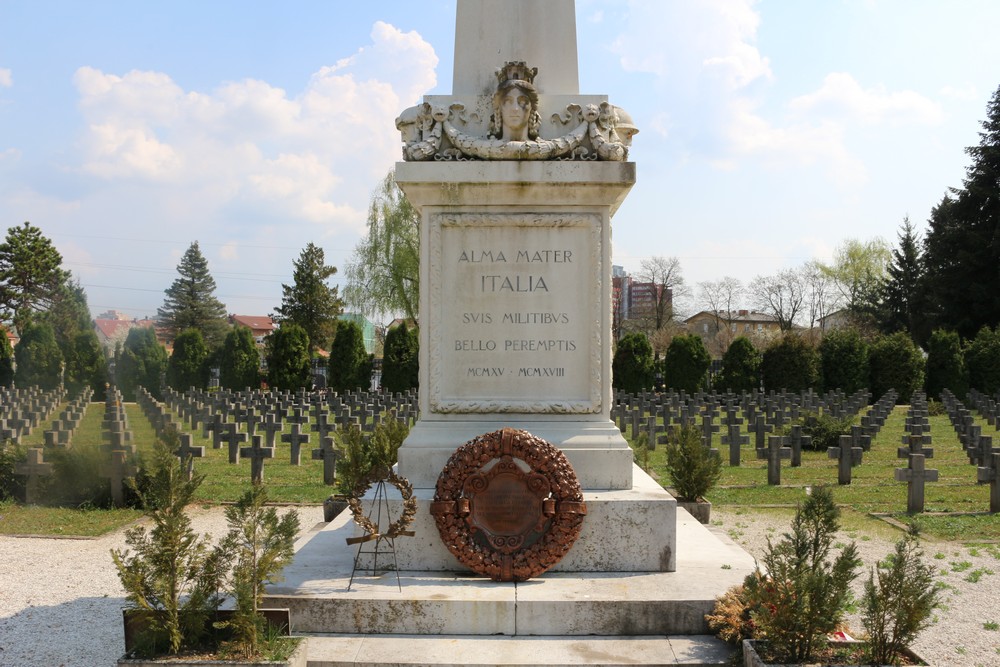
{"x":239,"y":361}
{"x":6,"y":359}
{"x":844,"y":361}
{"x":350,"y":366}
{"x":791,"y":364}
{"x":289,"y":366}
{"x":260,"y":545}
{"x":142,"y":363}
{"x":824,"y":429}
{"x":39,"y":360}
{"x":982,"y":359}
{"x":686,"y":363}
{"x":740,"y":367}
{"x":945,"y":365}
{"x":170,"y":574}
{"x":632,"y":366}
{"x":803,"y":593}
{"x":362,"y":453}
{"x":898,"y":601}
{"x":400,"y":361}
{"x":896,"y":363}
{"x":691,"y":468}
{"x":187,"y":366}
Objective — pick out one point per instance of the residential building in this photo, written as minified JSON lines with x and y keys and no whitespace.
{"x":260,"y":326}
{"x":718,"y":328}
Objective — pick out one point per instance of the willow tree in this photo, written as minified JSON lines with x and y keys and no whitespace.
{"x":383,"y":274}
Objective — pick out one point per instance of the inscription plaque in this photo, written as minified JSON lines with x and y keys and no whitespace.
{"x":514,"y":299}
{"x":501,"y":520}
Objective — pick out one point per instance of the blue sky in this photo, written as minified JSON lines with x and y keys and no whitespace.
{"x":770,"y":131}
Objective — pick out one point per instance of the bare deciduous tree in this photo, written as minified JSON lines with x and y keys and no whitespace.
{"x":781,"y":295}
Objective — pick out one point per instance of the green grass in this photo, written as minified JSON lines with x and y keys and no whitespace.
{"x":955,"y":506}
{"x":16,"y":519}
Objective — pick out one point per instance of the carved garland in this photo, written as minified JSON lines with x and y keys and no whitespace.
{"x":506,"y":558}
{"x":398,"y":527}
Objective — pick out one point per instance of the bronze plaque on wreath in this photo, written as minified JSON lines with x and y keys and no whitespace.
{"x":508,"y":505}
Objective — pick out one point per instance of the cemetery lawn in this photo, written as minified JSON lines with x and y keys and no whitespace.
{"x":17,"y":519}
{"x":956,"y":507}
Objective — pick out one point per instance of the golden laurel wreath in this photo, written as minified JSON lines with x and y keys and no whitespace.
{"x":397,"y":528}
{"x":559,"y":525}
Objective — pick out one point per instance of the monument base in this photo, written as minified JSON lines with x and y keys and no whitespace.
{"x":600,"y":456}
{"x":609,"y":604}
{"x":624,"y":531}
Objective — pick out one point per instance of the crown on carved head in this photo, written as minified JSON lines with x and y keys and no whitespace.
{"x":516,"y":71}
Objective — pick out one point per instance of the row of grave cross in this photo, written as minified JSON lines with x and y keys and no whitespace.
{"x":659,"y":415}
{"x":250,"y":424}
{"x":22,"y":410}
{"x":977,"y":446}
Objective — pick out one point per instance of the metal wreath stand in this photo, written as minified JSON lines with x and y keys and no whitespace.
{"x":371,"y":523}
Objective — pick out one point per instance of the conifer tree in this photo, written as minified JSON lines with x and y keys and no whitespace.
{"x":632,"y":366}
{"x":962,"y":249}
{"x":400,"y":359}
{"x":39,"y":360}
{"x":142,"y":363}
{"x":350,"y":367}
{"x":899,"y":294}
{"x":310,"y":302}
{"x":188,"y":362}
{"x":31,"y":274}
{"x":239,"y":361}
{"x":6,"y":359}
{"x":288,"y":362}
{"x":191,"y":302}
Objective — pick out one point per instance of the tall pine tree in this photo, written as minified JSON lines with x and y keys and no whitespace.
{"x":962,"y":247}
{"x":899,"y":293}
{"x":191,"y":302}
{"x":310,"y":302}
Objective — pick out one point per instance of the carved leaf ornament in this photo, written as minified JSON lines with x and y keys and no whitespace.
{"x":508,"y":505}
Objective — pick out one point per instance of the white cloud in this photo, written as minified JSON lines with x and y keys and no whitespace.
{"x":253,"y":149}
{"x":6,"y":78}
{"x":966,"y":93}
{"x":714,"y":81}
{"x":841,"y":96}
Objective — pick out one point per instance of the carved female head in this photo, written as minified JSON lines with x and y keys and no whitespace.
{"x":515,"y":112}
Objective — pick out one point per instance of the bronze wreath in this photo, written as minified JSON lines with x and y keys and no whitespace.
{"x":550,"y":474}
{"x":398,"y":527}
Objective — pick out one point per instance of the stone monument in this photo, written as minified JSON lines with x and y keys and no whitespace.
{"x":516,"y":176}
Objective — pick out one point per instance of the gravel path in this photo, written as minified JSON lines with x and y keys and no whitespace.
{"x":961,"y":636}
{"x":60,"y":599}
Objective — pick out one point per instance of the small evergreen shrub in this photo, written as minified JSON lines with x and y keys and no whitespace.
{"x":804,"y":591}
{"x":691,"y":468}
{"x":825,"y":430}
{"x":730,"y":618}
{"x":898,"y":601}
{"x":260,"y":545}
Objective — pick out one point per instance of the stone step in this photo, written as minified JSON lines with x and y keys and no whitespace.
{"x":548,"y":651}
{"x":561,"y":604}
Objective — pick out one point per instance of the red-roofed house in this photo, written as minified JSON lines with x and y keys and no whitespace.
{"x":111,"y":332}
{"x":260,"y":325}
